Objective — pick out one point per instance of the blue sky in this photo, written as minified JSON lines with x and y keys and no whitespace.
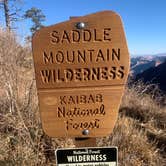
{"x":144,"y":20}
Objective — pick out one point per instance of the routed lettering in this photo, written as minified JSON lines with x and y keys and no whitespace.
{"x":53,"y":76}
{"x":81,"y":56}
{"x":81,"y":36}
{"x":81,"y":99}
{"x":75,"y":125}
{"x":63,"y":112}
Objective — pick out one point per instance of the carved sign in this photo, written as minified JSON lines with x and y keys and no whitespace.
{"x":81,"y":67}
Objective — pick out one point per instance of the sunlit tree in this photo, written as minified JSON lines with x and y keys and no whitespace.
{"x":36,"y":16}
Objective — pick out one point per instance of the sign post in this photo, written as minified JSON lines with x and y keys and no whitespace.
{"x":81,"y":67}
{"x":85,"y":142}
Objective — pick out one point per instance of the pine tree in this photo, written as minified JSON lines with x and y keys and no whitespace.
{"x":36,"y":16}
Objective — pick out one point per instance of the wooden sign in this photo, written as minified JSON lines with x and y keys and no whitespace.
{"x":81,"y":67}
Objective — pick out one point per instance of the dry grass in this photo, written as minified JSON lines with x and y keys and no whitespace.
{"x":139,"y":132}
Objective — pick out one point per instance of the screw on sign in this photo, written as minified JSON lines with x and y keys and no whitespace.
{"x":81,"y":67}
{"x":80,"y":25}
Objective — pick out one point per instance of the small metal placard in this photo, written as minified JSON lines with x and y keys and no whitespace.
{"x":87,"y":156}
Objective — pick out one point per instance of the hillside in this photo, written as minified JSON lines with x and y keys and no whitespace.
{"x":139,"y":132}
{"x":154,"y":75}
{"x":141,"y":63}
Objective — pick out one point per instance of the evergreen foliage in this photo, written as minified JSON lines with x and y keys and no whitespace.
{"x":36,"y":16}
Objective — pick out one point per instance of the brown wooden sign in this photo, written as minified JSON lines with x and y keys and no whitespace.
{"x":81,"y":67}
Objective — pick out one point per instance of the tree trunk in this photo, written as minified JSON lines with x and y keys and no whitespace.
{"x":7,"y":17}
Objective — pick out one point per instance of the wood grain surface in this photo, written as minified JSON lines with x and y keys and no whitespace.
{"x":81,"y":74}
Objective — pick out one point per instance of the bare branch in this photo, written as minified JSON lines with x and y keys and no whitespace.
{"x":11,"y":11}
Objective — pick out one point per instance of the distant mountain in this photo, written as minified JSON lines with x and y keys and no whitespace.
{"x":141,"y":63}
{"x":154,"y":75}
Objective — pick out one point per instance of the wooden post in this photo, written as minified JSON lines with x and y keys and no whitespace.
{"x":85,"y":142}
{"x":72,"y":17}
